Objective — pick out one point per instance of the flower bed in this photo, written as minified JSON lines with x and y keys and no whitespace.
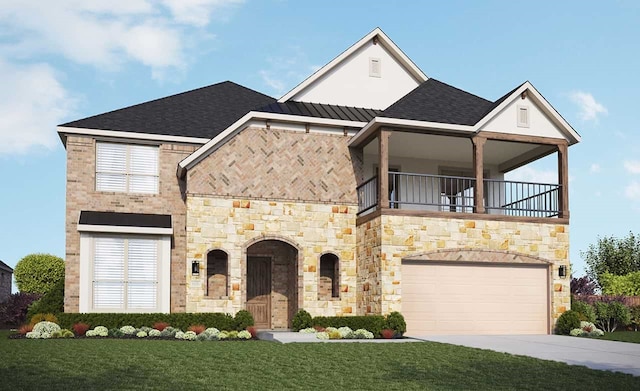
{"x":47,"y":330}
{"x":338,"y":333}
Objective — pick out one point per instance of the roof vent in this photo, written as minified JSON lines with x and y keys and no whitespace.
{"x":375,"y":67}
{"x":523,"y":116}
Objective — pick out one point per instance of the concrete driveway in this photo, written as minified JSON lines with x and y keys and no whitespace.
{"x":592,"y":353}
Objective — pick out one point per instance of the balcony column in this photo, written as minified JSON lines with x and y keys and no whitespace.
{"x":383,"y":171}
{"x":563,"y":180}
{"x":478,"y":169}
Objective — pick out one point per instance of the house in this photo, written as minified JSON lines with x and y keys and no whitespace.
{"x":368,"y":188}
{"x":6,"y":276}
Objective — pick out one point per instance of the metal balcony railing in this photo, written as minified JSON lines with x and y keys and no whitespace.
{"x":456,"y":194}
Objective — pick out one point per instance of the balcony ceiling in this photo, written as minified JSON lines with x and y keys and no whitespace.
{"x":506,"y":155}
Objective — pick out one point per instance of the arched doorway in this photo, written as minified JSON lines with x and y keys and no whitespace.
{"x":272,"y":283}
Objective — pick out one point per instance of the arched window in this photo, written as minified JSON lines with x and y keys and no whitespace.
{"x":329,"y":282}
{"x":217,"y":273}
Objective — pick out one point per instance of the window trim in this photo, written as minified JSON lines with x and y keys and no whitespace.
{"x":128,"y":172}
{"x":87,"y":252}
{"x":335,"y":282}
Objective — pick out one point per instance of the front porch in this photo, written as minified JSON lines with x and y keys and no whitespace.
{"x":434,"y":174}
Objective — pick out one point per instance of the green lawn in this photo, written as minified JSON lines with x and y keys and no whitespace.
{"x":84,"y":364}
{"x":624,"y":336}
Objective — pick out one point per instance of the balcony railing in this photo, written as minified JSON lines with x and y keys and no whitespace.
{"x":368,"y":195}
{"x":441,"y":193}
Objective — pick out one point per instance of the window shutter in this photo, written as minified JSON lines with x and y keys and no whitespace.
{"x":108,"y":273}
{"x":111,"y":167}
{"x":143,"y":274}
{"x":143,"y":169}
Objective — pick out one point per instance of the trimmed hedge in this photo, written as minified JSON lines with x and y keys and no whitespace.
{"x":373,"y":323}
{"x":178,"y":320}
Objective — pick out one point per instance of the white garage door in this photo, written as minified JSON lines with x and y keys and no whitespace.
{"x":463,"y":298}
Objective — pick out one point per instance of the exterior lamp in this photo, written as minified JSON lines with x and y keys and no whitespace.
{"x":562,"y":271}
{"x":195,"y":268}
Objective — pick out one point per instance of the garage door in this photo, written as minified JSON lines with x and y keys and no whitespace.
{"x":464,"y":298}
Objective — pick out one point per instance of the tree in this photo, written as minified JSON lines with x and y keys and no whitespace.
{"x":38,"y":273}
{"x":583,"y":286}
{"x":627,"y":285}
{"x":612,"y":255}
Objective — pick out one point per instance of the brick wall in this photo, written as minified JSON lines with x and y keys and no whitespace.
{"x":280,"y":165}
{"x":81,"y":195}
{"x":5,"y":285}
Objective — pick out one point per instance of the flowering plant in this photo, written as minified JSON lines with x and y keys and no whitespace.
{"x":308,"y":330}
{"x":128,"y":330}
{"x":141,"y":334}
{"x":244,"y":334}
{"x":154,"y":333}
{"x":322,"y":335}
{"x":189,"y":335}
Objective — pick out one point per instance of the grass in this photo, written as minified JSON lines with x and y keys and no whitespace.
{"x":624,"y":336}
{"x":174,"y":365}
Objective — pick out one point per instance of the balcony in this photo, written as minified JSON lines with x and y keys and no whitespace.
{"x":434,"y":174}
{"x":441,"y":193}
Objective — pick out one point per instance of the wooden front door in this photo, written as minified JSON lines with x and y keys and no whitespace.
{"x":259,"y":290}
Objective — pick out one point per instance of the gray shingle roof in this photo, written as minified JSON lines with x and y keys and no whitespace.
{"x":321,"y":110}
{"x":202,"y":113}
{"x":5,"y":267}
{"x":435,"y":101}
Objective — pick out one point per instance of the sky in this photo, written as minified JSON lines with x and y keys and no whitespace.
{"x":68,"y":59}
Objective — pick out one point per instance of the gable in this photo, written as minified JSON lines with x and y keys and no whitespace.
{"x":541,"y":119}
{"x":351,"y":79}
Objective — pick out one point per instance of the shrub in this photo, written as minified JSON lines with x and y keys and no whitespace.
{"x":232,"y":334}
{"x":253,"y":331}
{"x":634,"y":314}
{"x":24,"y":329}
{"x":627,"y":284}
{"x":43,"y":330}
{"x":141,"y":334}
{"x":611,"y":315}
{"x":52,"y":302}
{"x":189,"y":336}
{"x":301,"y":320}
{"x":363,"y":334}
{"x":179,"y":335}
{"x":67,"y":333}
{"x":44,"y":318}
{"x":568,"y":321}
{"x":177,"y":320}
{"x":160,"y":325}
{"x":308,"y":330}
{"x":243,"y":320}
{"x":395,"y":321}
{"x":80,"y":328}
{"x":211,"y":333}
{"x":115,"y":333}
{"x":372,"y":323}
{"x":244,"y":334}
{"x":154,"y":333}
{"x":128,"y":330}
{"x":322,"y":335}
{"x":335,"y":335}
{"x":345,"y":332}
{"x":38,"y":273}
{"x":197,"y":328}
{"x":14,"y":311}
{"x":387,"y":333}
{"x":577,"y":333}
{"x":169,"y":332}
{"x":585,"y":311}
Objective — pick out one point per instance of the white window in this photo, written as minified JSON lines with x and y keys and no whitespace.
{"x":126,"y":168}
{"x":125,"y":271}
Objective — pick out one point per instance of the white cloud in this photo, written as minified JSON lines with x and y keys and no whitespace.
{"x":632,"y":191}
{"x":102,"y":34}
{"x":285,"y":72}
{"x":595,"y":168}
{"x":32,"y":102}
{"x":197,"y":12}
{"x":632,"y":166}
{"x":589,"y":107}
{"x":530,"y":174}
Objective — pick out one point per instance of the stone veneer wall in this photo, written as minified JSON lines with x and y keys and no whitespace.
{"x":81,"y":195}
{"x":230,"y":224}
{"x":406,"y":236}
